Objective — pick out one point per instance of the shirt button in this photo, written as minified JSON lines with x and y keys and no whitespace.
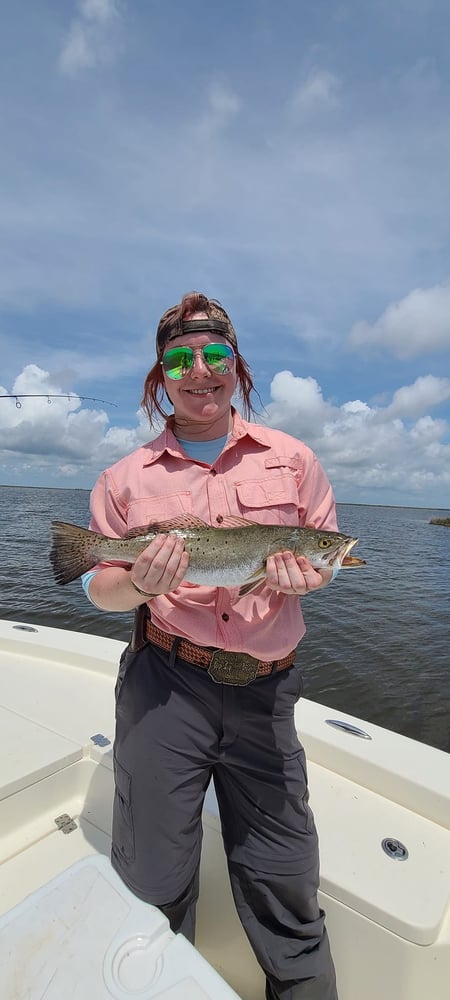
{"x":213,"y":472}
{"x":219,"y":519}
{"x":225,"y":617}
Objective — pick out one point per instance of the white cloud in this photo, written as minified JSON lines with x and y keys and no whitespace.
{"x":413,"y":400}
{"x":427,"y":430}
{"x":417,"y":324}
{"x":319,"y":92}
{"x":59,"y":434}
{"x":92,"y":38}
{"x":298,"y":400}
{"x":366,"y":447}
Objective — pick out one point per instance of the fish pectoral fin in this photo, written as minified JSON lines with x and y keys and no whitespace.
{"x":247,"y":588}
{"x":253,"y":581}
{"x":181,"y":523}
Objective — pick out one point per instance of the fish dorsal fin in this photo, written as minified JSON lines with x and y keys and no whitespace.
{"x":181,"y":523}
{"x":234,"y":521}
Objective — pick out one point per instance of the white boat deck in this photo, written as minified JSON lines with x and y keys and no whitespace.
{"x":388,"y":920}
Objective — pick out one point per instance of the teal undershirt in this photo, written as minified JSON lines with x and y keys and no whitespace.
{"x":204,"y":451}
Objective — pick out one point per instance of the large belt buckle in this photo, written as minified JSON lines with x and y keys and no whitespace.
{"x":227,"y":667}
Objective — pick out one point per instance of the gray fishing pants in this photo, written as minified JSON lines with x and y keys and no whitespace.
{"x":175,"y":729}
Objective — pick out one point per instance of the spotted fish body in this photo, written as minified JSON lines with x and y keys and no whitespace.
{"x":233,"y":555}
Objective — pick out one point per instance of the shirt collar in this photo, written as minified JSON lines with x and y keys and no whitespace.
{"x":166,"y":441}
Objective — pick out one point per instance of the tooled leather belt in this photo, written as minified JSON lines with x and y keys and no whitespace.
{"x":224,"y":666}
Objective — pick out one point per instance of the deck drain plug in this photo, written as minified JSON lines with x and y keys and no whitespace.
{"x":394,"y":849}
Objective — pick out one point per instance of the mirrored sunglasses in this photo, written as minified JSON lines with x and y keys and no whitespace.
{"x":219,"y":358}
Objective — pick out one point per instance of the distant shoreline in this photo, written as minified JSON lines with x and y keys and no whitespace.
{"x":71,"y":489}
{"x":340,"y":503}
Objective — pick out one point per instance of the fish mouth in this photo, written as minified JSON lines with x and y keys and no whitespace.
{"x":352,"y":562}
{"x":342,"y":557}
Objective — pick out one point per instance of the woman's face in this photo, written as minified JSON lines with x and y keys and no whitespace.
{"x":202,"y":398}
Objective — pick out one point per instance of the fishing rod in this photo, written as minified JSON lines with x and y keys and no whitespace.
{"x":51,"y":395}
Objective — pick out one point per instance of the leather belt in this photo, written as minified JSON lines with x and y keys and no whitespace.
{"x":224,"y":666}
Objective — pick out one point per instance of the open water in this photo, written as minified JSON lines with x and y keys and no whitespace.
{"x":378,"y":639}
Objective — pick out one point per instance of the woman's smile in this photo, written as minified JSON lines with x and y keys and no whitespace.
{"x":202,"y":392}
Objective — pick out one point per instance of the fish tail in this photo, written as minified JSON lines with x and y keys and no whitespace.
{"x":74,"y":551}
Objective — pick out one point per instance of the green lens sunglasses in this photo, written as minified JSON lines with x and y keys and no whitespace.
{"x":219,"y":358}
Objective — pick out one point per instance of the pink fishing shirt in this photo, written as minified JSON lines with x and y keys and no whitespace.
{"x":263,"y":475}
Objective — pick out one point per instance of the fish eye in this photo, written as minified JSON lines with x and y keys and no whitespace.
{"x":324,"y":543}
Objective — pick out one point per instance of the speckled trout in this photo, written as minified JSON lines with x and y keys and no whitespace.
{"x":233,"y":555}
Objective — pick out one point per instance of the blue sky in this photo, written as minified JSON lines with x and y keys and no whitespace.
{"x":289,"y":159}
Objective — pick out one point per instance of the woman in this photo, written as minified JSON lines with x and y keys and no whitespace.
{"x":187,"y":713}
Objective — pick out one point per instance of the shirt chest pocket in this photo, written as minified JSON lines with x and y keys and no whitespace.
{"x":154,"y":509}
{"x":271,"y":500}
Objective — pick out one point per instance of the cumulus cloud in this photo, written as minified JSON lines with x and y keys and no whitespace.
{"x":417,"y":324}
{"x":412,"y":400}
{"x":60,"y":434}
{"x":92,"y":37}
{"x":297,"y":400}
{"x":398,"y":448}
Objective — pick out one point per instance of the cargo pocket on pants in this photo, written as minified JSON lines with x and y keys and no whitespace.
{"x":122,"y":825}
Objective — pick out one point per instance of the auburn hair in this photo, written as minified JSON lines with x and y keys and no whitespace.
{"x":154,"y":388}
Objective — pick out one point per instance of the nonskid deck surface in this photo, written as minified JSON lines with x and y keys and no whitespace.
{"x":56,"y":731}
